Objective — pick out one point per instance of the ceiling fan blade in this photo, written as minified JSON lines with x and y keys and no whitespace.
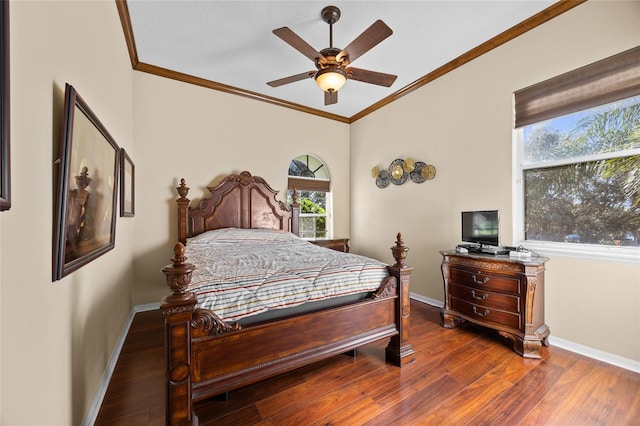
{"x":291,"y":79}
{"x":373,"y":77}
{"x":295,"y":41}
{"x":373,"y":35}
{"x":330,"y":98}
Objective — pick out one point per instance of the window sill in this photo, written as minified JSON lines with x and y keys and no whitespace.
{"x":584,"y":251}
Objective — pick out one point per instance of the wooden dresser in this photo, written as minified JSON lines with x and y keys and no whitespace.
{"x":498,"y":292}
{"x":339,"y":244}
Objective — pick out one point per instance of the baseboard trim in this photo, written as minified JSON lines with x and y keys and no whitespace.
{"x":427,"y":300}
{"x":94,"y":408}
{"x":609,"y":358}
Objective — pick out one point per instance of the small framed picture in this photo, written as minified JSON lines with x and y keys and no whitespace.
{"x":127,"y":185}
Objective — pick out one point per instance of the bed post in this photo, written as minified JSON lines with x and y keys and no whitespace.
{"x":399,"y":351}
{"x":177,"y":309}
{"x":183,"y":211}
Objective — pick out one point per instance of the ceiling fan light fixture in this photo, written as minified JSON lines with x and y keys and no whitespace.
{"x":332,"y":62}
{"x":331,"y":79}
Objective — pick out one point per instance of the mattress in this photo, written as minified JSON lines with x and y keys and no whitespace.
{"x":241,"y":273}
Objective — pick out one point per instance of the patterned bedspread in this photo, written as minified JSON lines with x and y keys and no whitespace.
{"x":243,"y":272}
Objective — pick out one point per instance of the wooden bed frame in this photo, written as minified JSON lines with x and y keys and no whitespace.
{"x":207,"y":357}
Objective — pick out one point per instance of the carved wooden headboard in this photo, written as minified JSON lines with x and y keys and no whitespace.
{"x":238,"y":201}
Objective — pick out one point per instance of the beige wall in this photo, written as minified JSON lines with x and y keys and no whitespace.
{"x":184,"y":131}
{"x":57,"y":337}
{"x":461,"y":123}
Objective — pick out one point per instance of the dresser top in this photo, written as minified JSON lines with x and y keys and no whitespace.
{"x":533,"y":260}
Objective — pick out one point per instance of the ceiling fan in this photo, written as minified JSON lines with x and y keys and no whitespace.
{"x":332,"y":64}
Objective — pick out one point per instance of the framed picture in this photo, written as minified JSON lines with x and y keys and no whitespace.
{"x":127,"y":185}
{"x":5,"y":159}
{"x":85,"y":224}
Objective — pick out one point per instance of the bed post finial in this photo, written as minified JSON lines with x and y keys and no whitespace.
{"x":179,"y":277}
{"x":183,"y":189}
{"x":400,"y":251}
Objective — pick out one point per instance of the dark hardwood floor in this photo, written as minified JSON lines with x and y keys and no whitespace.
{"x":461,"y":376}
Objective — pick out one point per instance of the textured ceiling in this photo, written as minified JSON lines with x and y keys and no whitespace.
{"x":231,"y":44}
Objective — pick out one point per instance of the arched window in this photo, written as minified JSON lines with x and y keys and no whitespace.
{"x":310,"y":177}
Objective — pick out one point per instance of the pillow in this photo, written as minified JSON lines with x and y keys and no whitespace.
{"x":239,"y":235}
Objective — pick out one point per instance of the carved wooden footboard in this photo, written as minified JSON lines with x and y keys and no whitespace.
{"x":206,"y":356}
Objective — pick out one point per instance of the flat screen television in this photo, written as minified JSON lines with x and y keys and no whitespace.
{"x":480,"y":227}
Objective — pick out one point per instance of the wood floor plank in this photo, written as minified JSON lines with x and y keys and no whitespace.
{"x":480,"y":364}
{"x":519,"y":400}
{"x":136,"y":392}
{"x":355,"y":412}
{"x":513,"y":368}
{"x":465,"y":375}
{"x":412,"y":407}
{"x":626,"y":394}
{"x":247,"y":415}
{"x":392,"y":388}
{"x":316,"y":386}
{"x":315,"y":408}
{"x":466,"y":404}
{"x":589,"y":383}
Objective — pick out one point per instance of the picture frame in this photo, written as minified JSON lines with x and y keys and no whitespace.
{"x":5,"y":134}
{"x":85,"y":220}
{"x":127,"y":185}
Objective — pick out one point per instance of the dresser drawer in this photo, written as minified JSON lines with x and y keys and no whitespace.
{"x":484,"y":314}
{"x":484,"y":281}
{"x":485,"y":298}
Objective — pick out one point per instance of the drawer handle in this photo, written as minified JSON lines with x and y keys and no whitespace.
{"x":480,"y":314}
{"x":484,"y":296}
{"x":484,"y":280}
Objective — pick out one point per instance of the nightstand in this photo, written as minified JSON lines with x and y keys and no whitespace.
{"x":338,"y":244}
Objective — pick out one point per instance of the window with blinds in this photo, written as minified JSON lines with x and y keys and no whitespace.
{"x":577,"y":153}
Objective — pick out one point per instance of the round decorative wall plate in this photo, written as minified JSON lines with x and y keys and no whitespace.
{"x":398,"y":175}
{"x":383,"y":179}
{"x":428,"y":172}
{"x":416,"y":174}
{"x":409,"y":165}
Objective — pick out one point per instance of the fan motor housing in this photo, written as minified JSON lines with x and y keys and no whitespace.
{"x":331,"y":53}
